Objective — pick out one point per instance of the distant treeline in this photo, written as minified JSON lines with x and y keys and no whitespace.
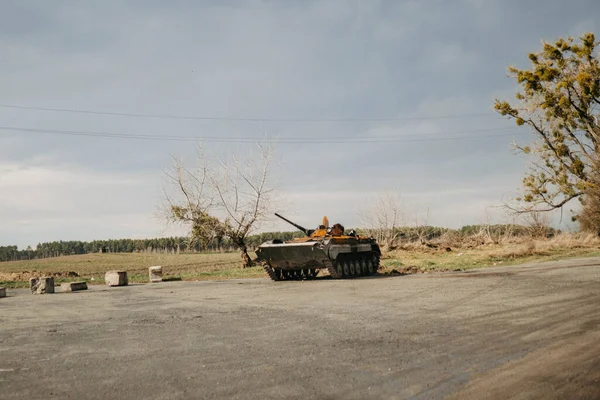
{"x":158,"y":245}
{"x":411,"y":234}
{"x":182,"y":244}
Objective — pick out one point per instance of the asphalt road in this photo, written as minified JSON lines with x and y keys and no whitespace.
{"x":515,"y":332}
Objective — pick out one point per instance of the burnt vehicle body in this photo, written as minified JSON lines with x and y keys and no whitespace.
{"x":342,"y":255}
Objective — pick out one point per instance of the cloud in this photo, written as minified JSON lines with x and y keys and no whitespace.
{"x":46,"y":203}
{"x":295,"y":60}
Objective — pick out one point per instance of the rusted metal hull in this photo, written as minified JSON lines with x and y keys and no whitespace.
{"x":289,"y":256}
{"x":342,"y":257}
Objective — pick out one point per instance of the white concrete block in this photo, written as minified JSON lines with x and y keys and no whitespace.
{"x":116,"y":278}
{"x":2,"y":292}
{"x":155,"y":273}
{"x":42,"y":285}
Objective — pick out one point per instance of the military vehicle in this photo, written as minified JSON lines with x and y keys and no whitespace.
{"x":343,"y":255}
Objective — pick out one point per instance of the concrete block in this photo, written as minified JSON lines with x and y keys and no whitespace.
{"x":73,"y":286}
{"x":2,"y":292}
{"x":42,"y":285}
{"x":116,"y":278}
{"x":155,"y":273}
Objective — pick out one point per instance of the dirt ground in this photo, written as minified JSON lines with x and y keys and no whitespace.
{"x":523,"y":332}
{"x":24,"y":276}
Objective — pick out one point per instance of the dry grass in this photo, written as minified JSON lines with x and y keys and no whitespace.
{"x":91,"y":267}
{"x":477,"y":252}
{"x":445,"y":254}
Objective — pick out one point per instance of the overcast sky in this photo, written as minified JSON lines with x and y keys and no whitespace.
{"x":398,"y":64}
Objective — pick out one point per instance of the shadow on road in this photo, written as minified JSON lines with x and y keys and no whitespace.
{"x":329,"y":278}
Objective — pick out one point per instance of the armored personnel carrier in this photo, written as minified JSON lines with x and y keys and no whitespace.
{"x":343,"y":255}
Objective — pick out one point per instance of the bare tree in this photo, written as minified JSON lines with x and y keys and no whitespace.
{"x":488,"y":230}
{"x":500,"y":231}
{"x":538,"y":223}
{"x":229,"y":198}
{"x":421,"y":222}
{"x":384,"y":218}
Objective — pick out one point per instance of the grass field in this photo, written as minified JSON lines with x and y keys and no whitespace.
{"x":480,"y":252}
{"x":460,"y":259}
{"x":91,"y":267}
{"x":409,"y":258}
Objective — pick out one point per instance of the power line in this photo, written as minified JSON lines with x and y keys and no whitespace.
{"x":290,"y":140}
{"x":243,"y":119}
{"x":221,"y":137}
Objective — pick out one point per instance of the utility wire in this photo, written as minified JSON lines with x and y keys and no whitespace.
{"x":207,"y":118}
{"x":291,"y":140}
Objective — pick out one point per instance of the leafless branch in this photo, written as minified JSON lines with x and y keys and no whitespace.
{"x":229,"y":199}
{"x":383,"y":219}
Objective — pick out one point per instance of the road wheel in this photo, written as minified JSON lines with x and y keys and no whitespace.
{"x":370,"y":267}
{"x":346,"y":268}
{"x":339,"y":268}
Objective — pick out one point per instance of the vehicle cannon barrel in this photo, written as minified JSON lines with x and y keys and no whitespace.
{"x":294,"y":224}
